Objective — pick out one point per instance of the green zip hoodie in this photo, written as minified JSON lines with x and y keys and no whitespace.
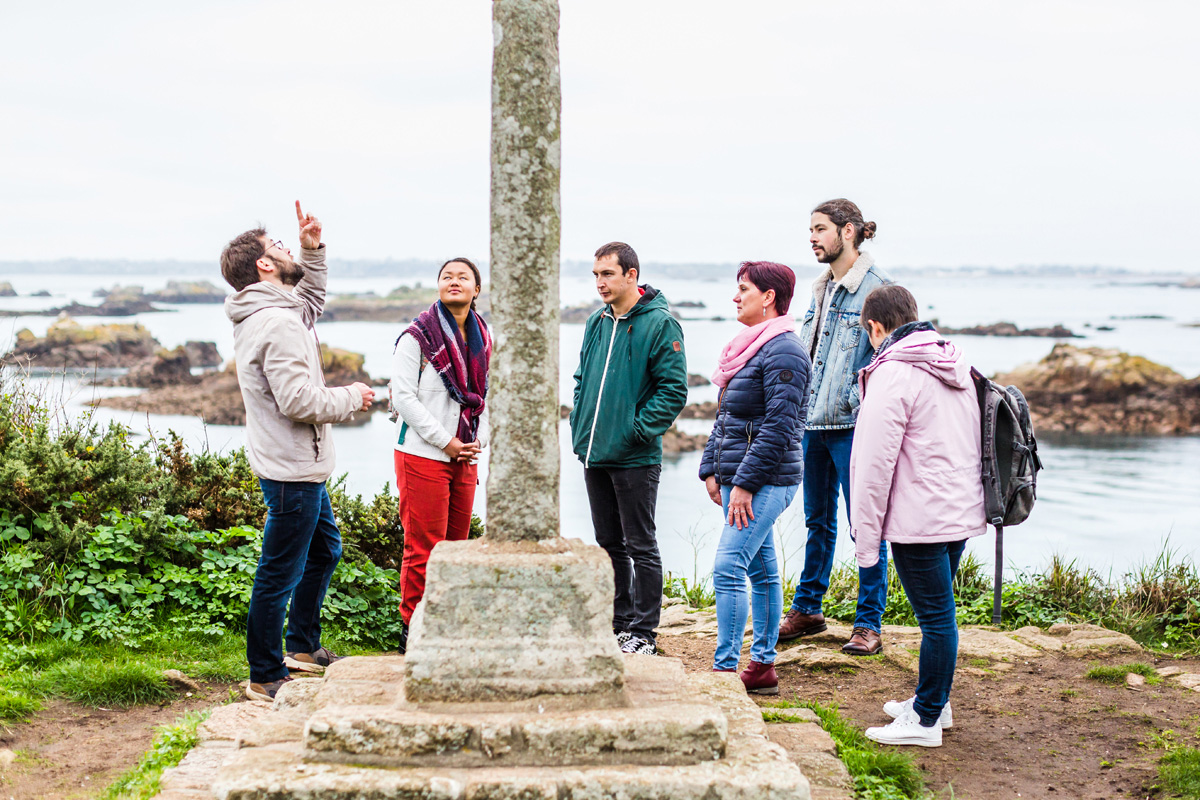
{"x":630,"y":385}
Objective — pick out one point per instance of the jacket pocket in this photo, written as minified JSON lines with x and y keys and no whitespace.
{"x":852,"y":331}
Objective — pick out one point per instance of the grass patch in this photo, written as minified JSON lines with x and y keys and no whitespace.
{"x":171,"y":744}
{"x":112,"y":675}
{"x":877,"y":774}
{"x":1115,"y":673}
{"x":1179,"y":772}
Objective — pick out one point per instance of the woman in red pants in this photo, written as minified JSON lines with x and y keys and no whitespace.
{"x":439,"y":384}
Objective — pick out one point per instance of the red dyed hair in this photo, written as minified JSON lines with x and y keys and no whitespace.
{"x":768,"y":275}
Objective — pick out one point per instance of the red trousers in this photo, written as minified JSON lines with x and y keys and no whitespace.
{"x":436,"y":498}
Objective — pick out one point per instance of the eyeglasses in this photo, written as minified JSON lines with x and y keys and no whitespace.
{"x":277,"y":243}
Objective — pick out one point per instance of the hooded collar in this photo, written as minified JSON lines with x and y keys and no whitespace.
{"x":256,"y":297}
{"x":924,"y":349}
{"x":853,"y":278}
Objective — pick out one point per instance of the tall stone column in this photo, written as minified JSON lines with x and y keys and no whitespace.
{"x":521,"y":615}
{"x":522,"y":488}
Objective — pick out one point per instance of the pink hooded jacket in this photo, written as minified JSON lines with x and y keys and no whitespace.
{"x":915,"y":465}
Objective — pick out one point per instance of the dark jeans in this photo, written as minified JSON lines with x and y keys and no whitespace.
{"x":927,"y":574}
{"x":826,"y":468}
{"x":622,"y":503}
{"x":301,"y":547}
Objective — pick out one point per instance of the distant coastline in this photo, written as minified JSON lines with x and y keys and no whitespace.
{"x":422,"y":268}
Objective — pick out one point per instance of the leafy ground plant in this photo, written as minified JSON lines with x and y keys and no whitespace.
{"x":170,"y":745}
{"x":877,"y":774}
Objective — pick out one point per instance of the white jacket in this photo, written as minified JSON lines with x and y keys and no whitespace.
{"x":428,"y":416}
{"x":288,"y":406}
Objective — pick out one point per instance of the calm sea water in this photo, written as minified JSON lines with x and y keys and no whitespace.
{"x":1107,"y":502}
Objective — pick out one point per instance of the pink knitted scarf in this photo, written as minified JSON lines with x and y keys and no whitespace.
{"x":742,"y":348}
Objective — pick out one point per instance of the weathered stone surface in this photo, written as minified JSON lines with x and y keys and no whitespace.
{"x":298,"y":693}
{"x":752,"y":768}
{"x":1167,"y":672}
{"x":69,"y":345}
{"x":812,"y":657}
{"x":227,"y":723}
{"x":179,"y":680}
{"x":1134,"y":681}
{"x":505,"y":621}
{"x":523,"y":471}
{"x":202,"y":354}
{"x":1083,"y":638}
{"x":814,"y":752}
{"x":983,"y":643}
{"x":195,"y":772}
{"x":1033,"y":636}
{"x":674,"y":733}
{"x":1188,"y":680}
{"x":900,"y":656}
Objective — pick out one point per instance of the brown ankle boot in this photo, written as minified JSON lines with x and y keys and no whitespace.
{"x":760,"y":678}
{"x":795,"y":625}
{"x":863,"y":642}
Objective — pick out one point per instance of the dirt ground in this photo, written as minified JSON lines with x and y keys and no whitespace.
{"x":1038,"y":730}
{"x":68,"y":751}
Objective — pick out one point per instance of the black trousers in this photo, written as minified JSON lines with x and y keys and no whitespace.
{"x":622,"y":502}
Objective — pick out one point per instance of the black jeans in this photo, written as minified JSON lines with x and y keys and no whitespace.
{"x":623,"y":503}
{"x":301,"y":547}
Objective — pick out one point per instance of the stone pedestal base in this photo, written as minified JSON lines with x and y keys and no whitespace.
{"x":600,"y":756}
{"x":512,"y":621}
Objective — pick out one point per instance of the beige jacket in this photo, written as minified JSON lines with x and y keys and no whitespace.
{"x":288,"y":406}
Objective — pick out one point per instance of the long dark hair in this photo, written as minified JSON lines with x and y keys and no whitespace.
{"x":474,"y":269}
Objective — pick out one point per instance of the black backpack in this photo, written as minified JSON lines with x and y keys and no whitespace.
{"x":1010,"y":464}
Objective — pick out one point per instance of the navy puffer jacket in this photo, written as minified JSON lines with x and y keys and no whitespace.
{"x":755,"y":441}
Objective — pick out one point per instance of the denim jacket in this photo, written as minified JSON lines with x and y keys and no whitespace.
{"x":844,"y":349}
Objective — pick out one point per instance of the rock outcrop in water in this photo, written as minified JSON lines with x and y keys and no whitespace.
{"x":7,"y":290}
{"x":1097,"y":390}
{"x":216,"y":397}
{"x":69,"y":345}
{"x":1008,"y":329}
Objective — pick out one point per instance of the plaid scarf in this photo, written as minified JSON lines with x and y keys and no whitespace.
{"x":462,"y":366}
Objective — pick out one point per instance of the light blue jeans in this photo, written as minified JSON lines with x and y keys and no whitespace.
{"x":749,"y":553}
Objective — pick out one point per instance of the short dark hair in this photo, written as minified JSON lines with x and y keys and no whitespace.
{"x":240,"y":256}
{"x":891,"y":306}
{"x":626,"y":258}
{"x":474,"y":269}
{"x":841,"y":211}
{"x":767,"y":275}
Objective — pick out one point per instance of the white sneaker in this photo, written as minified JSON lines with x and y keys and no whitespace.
{"x":895,"y":708}
{"x":907,"y":729}
{"x":623,"y":637}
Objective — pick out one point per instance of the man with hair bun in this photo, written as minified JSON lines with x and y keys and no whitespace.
{"x":838,"y":347}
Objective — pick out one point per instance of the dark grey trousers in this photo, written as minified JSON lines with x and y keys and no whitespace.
{"x":622,"y":502}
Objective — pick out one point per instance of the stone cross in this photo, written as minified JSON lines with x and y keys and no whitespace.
{"x":522,"y":487}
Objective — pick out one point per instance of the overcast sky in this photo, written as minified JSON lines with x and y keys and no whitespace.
{"x":1023,"y":132}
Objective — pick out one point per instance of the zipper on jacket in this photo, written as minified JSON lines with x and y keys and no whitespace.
{"x":587,"y":461}
{"x":717,"y":455}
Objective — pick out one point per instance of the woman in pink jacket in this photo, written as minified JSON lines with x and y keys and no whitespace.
{"x":915,"y":482}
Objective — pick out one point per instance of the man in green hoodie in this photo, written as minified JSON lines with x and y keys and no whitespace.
{"x":630,"y":385}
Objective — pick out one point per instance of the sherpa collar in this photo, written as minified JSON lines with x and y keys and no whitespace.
{"x":851,"y":281}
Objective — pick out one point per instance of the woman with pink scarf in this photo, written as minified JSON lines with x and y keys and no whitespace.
{"x":753,"y":465}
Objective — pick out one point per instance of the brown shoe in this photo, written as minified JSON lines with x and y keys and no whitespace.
{"x":796,"y":625}
{"x":863,"y":642}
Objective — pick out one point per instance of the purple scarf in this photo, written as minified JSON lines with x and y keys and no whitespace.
{"x":462,"y":366}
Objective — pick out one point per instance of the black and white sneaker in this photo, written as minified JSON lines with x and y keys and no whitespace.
{"x":623,"y":637}
{"x":639,"y":645}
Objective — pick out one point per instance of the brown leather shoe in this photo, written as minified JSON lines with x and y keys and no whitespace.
{"x":796,"y":625}
{"x":863,"y":642}
{"x":760,"y":678}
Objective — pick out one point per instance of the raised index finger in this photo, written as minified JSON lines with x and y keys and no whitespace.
{"x":299,"y":213}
